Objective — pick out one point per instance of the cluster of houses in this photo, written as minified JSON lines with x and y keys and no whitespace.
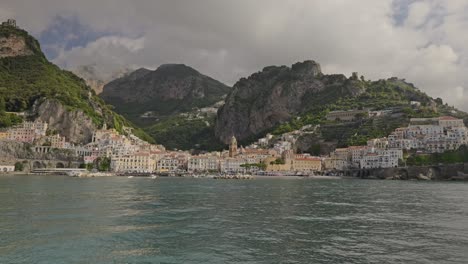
{"x":427,"y":135}
{"x":234,"y":160}
{"x":433,"y":135}
{"x":129,"y":154}
{"x":375,"y":154}
{"x":34,"y":133}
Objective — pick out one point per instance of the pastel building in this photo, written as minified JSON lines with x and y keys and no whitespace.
{"x":203,"y":164}
{"x":232,"y":165}
{"x":28,"y":132}
{"x":306,"y":163}
{"x":137,"y":163}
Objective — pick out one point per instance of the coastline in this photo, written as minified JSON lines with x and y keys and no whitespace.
{"x":452,"y":172}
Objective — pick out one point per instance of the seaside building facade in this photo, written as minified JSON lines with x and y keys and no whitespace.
{"x":203,"y":164}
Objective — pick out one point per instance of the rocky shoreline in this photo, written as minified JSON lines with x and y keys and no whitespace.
{"x":448,"y":172}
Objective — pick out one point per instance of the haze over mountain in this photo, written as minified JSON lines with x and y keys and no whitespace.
{"x":96,"y":78}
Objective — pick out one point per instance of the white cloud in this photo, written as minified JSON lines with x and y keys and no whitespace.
{"x":232,"y":39}
{"x":109,"y":53}
{"x":418,"y":14}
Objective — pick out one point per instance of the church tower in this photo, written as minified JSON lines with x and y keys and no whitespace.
{"x":233,"y":147}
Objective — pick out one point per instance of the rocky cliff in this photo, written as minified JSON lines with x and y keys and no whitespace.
{"x":275,"y":95}
{"x":14,"y":46}
{"x":170,"y":89}
{"x":75,"y":125}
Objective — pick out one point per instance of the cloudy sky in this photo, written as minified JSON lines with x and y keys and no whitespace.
{"x":424,"y":42}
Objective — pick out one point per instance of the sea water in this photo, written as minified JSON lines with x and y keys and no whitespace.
{"x":54,"y":219}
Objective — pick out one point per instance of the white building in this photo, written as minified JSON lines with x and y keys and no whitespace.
{"x":232,"y":165}
{"x":138,"y":163}
{"x":168,"y":164}
{"x":203,"y":163}
{"x":374,"y":160}
{"x":434,"y":135}
{"x":282,"y":146}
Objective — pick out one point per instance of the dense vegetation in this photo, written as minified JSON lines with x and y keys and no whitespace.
{"x":8,"y":119}
{"x":448,"y":157}
{"x":26,"y":79}
{"x":169,"y":90}
{"x":180,"y":132}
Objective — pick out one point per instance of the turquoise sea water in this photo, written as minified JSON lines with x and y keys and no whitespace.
{"x":52,"y":219}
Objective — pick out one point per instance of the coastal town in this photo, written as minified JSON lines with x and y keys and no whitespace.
{"x":126,"y":154}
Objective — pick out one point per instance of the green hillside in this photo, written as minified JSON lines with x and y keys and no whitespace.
{"x":393,"y":93}
{"x":25,"y":79}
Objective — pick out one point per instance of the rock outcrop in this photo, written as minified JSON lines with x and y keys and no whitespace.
{"x":13,"y":46}
{"x":274,"y":96}
{"x":75,"y":125}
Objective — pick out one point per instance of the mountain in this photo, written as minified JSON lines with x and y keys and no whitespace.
{"x":281,"y":99}
{"x":96,"y":78}
{"x":29,"y":83}
{"x":274,"y":96}
{"x":145,"y":96}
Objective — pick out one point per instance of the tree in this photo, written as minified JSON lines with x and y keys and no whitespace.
{"x":19,"y":166}
{"x":2,"y":106}
{"x":104,"y":164}
{"x":361,"y":116}
{"x":278,"y":161}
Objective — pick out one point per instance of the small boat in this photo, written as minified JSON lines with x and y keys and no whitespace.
{"x":152,"y":176}
{"x":130,"y":177}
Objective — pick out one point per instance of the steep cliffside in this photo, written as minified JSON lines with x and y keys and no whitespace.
{"x":275,"y":95}
{"x":30,"y":83}
{"x":75,"y":125}
{"x":14,"y":46}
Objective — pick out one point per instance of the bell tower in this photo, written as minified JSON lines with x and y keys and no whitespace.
{"x":233,"y":147}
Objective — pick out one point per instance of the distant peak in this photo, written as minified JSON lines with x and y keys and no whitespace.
{"x":140,"y":70}
{"x":307,"y":67}
{"x":138,"y":73}
{"x":177,"y":69}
